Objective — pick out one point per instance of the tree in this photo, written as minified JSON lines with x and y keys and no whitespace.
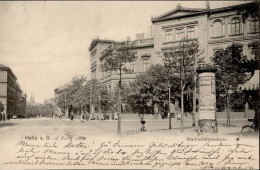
{"x":152,"y":87}
{"x":68,"y":95}
{"x":249,"y":10}
{"x":182,"y":60}
{"x":229,"y":74}
{"x":120,"y":54}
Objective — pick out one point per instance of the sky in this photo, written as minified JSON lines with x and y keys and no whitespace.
{"x":45,"y":43}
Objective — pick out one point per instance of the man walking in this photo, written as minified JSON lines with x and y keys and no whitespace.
{"x":1,"y":110}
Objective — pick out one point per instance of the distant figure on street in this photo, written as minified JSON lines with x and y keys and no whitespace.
{"x":246,"y":109}
{"x":177,"y":110}
{"x":172,"y":110}
{"x":4,"y":117}
{"x":156,"y":109}
{"x":71,"y":116}
{"x":1,"y":110}
{"x":82,"y":117}
{"x":142,"y":124}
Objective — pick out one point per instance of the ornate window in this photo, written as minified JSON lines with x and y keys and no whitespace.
{"x":254,"y":26}
{"x":168,"y":35}
{"x":132,"y":66}
{"x":217,"y":29}
{"x":179,"y":34}
{"x":235,"y":27}
{"x":146,"y":63}
{"x":190,"y":32}
{"x":94,"y":74}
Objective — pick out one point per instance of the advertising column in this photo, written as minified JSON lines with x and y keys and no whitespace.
{"x":207,"y":99}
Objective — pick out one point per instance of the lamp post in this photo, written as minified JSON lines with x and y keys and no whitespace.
{"x":169,"y":109}
{"x":99,"y":99}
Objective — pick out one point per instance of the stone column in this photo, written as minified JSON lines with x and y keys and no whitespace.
{"x":207,"y":99}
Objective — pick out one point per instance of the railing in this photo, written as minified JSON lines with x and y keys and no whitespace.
{"x":144,"y":41}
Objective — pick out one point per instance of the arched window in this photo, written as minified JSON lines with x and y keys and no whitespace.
{"x":217,"y":29}
{"x":168,"y":35}
{"x":254,"y":26}
{"x":146,"y":61}
{"x":235,"y":27}
{"x":132,"y":66}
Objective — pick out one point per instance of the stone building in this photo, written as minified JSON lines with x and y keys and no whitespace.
{"x":99,"y":50}
{"x":212,"y":28}
{"x":11,"y":95}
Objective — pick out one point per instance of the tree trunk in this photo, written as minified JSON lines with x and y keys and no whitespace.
{"x":169,"y":109}
{"x":194,"y":106}
{"x":228,"y":111}
{"x":119,"y":105}
{"x":182,"y":107}
{"x":194,"y":92}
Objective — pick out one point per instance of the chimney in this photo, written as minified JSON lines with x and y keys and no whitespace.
{"x":207,"y":5}
{"x":139,"y":36}
{"x":179,"y":6}
{"x":128,"y":38}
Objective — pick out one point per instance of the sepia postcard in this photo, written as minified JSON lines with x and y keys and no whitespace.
{"x":129,"y":85}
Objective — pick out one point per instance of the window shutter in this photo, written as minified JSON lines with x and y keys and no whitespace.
{"x":173,"y":35}
{"x":229,"y":29}
{"x":195,"y":31}
{"x":223,"y":29}
{"x":248,"y":30}
{"x":211,"y":31}
{"x":242,"y":27}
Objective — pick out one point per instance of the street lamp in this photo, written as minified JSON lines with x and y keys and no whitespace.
{"x":99,"y":98}
{"x":169,"y":108}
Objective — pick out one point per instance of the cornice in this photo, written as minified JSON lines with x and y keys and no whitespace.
{"x":232,"y":39}
{"x":178,"y":17}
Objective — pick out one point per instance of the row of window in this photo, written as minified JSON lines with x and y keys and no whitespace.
{"x":146,"y":64}
{"x":132,"y":68}
{"x":235,"y":27}
{"x":176,"y":34}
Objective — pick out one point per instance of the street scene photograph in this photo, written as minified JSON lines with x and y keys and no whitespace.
{"x":129,"y":85}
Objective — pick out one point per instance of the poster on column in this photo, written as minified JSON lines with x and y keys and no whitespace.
{"x":207,"y":98}
{"x":55,"y":51}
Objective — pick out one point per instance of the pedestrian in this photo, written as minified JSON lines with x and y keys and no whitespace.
{"x":246,"y":109}
{"x":71,"y":116}
{"x":1,"y":110}
{"x":172,"y":110}
{"x":82,"y":117}
{"x":142,"y":124}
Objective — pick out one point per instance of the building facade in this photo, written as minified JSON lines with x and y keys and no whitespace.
{"x":11,"y":95}
{"x":212,"y":28}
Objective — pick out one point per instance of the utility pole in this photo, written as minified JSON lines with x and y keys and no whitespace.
{"x":119,"y":104}
{"x":170,"y":115}
{"x":65,"y":102}
{"x":194,"y":91}
{"x":182,"y":93}
{"x":99,"y":106}
{"x":90,"y":100}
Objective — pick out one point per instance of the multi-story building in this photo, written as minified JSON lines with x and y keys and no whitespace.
{"x":11,"y":95}
{"x":100,"y":49}
{"x":212,"y":28}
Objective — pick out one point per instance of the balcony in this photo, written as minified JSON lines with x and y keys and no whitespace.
{"x":115,"y":76}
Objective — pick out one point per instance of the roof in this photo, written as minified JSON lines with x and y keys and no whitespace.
{"x":95,"y":41}
{"x":5,"y":68}
{"x":180,"y":11}
{"x":252,"y":84}
{"x":183,"y":12}
{"x":234,"y":7}
{"x":1,"y":65}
